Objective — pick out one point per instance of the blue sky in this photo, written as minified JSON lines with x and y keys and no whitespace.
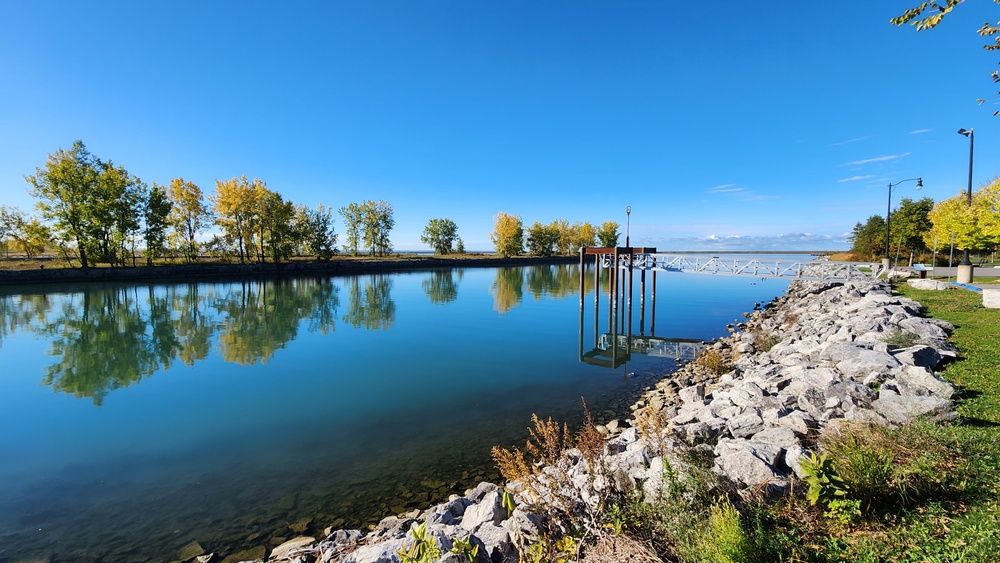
{"x":724,"y":125}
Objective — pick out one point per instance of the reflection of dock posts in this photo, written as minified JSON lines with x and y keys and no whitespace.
{"x":652,"y":320}
{"x":597,"y":293}
{"x":631,"y":260}
{"x":642,"y":301}
{"x":613,"y":291}
{"x":581,"y":301}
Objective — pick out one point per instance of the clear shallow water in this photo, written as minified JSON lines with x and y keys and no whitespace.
{"x":136,"y":418}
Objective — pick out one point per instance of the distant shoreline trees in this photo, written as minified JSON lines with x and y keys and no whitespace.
{"x":94,"y":211}
{"x":102,"y":213}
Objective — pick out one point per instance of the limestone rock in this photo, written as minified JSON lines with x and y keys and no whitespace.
{"x":282,"y":552}
{"x":490,"y":509}
{"x":901,"y":410}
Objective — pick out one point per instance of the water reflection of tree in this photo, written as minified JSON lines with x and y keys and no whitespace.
{"x":507,"y":288}
{"x":193,"y":327}
{"x":441,"y":287}
{"x":372,"y":306}
{"x":106,"y":337}
{"x":262,"y":317}
{"x":557,"y":281}
{"x":102,"y":345}
{"x":23,"y":311}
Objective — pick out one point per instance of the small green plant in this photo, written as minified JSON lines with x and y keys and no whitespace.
{"x":536,"y":553}
{"x":423,"y":550}
{"x":616,"y":518}
{"x":465,"y":548}
{"x":725,"y":541}
{"x":507,"y":500}
{"x":843,"y":509}
{"x":900,"y":338}
{"x":566,"y":547}
{"x":825,"y":485}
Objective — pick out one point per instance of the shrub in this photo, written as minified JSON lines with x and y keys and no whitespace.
{"x":713,"y":361}
{"x":878,"y":466}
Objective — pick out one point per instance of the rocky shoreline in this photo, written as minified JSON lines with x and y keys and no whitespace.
{"x":823,"y":354}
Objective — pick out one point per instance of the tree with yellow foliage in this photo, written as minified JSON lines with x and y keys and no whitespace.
{"x":507,"y":235}
{"x":976,"y":226}
{"x":235,"y":203}
{"x":189,"y":215}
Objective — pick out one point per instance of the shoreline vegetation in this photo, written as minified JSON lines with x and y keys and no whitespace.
{"x":891,"y":471}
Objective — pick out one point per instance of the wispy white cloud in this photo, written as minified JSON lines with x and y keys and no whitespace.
{"x":856,"y":178}
{"x":724,"y":188}
{"x":849,"y":141}
{"x":878,"y":159}
{"x":919,"y":131}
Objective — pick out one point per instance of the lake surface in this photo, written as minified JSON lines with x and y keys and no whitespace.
{"x":137,"y":418}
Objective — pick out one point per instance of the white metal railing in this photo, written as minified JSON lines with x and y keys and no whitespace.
{"x":811,"y":270}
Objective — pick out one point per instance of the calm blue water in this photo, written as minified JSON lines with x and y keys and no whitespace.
{"x":136,"y":418}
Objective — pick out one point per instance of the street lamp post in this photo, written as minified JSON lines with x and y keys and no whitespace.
{"x":886,"y":261}
{"x":628,"y":224}
{"x":965,"y":266}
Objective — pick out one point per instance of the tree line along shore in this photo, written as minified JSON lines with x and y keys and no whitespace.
{"x":93,"y":212}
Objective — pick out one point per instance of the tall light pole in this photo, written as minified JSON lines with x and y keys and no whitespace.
{"x":972,"y":143}
{"x":628,"y":224}
{"x":886,"y":261}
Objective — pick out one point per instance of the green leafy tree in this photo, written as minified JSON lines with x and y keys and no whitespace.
{"x":318,"y":232}
{"x":507,"y":235}
{"x":376,"y":222}
{"x":542,"y":239}
{"x":459,"y":246}
{"x":607,"y":235}
{"x":189,"y":215}
{"x":868,"y":239}
{"x":117,"y":215}
{"x":11,"y":223}
{"x":28,"y":233}
{"x":565,"y":236}
{"x":7,"y":225}
{"x":67,"y":189}
{"x":279,"y":234}
{"x":155,"y":219}
{"x":440,"y":235}
{"x":351,"y":213}
{"x":910,"y":223}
